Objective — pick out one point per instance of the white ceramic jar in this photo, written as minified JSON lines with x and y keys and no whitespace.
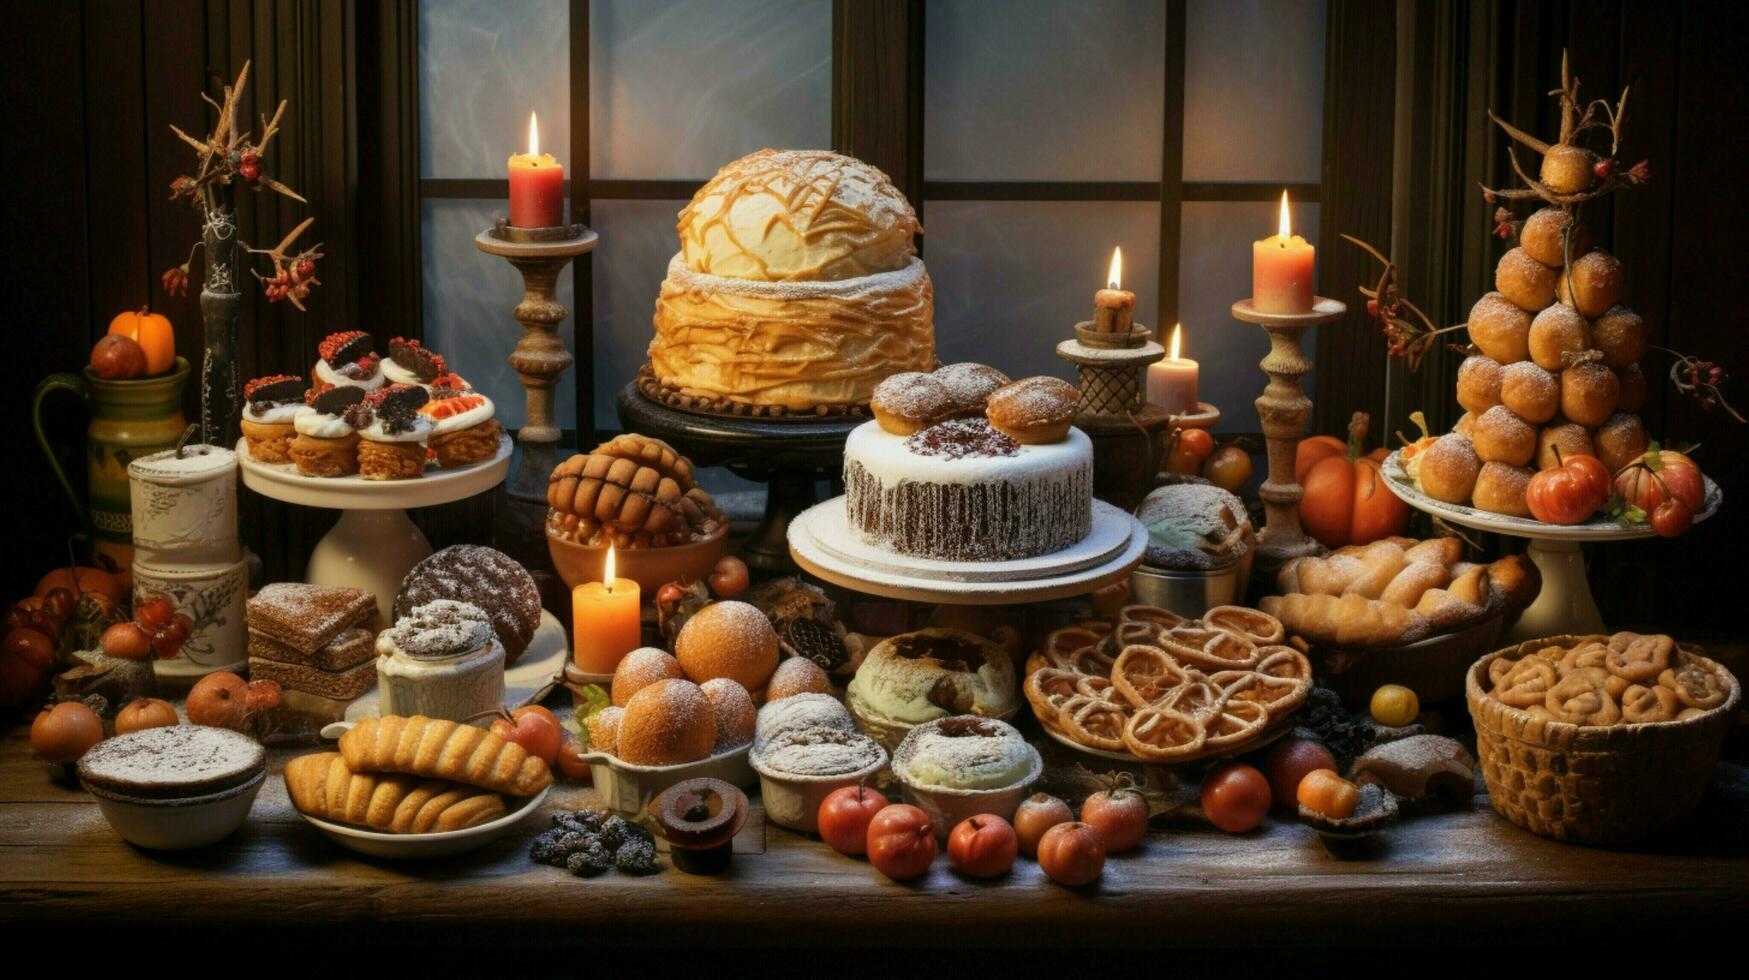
{"x":185,"y":507}
{"x":442,"y":660}
{"x":212,"y":597}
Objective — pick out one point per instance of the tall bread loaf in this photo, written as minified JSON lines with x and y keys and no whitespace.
{"x":322,"y":786}
{"x":432,"y":748}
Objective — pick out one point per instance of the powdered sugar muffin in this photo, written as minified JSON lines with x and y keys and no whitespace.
{"x":963,"y":753}
{"x":918,"y":677}
{"x":442,"y":661}
{"x":800,"y":713}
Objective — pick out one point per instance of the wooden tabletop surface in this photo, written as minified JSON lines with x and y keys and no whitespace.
{"x":1444,"y":877}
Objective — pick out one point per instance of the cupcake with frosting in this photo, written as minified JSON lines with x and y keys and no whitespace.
{"x":325,"y":442}
{"x":442,"y":660}
{"x":349,"y":359}
{"x":269,"y":406}
{"x":464,"y":430}
{"x":392,"y":433}
{"x":412,"y":363}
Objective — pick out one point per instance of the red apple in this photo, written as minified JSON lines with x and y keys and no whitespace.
{"x":117,"y":357}
{"x":1072,"y":854}
{"x":1287,"y":764}
{"x":1120,"y":816}
{"x":1037,"y":814}
{"x":901,"y":842}
{"x":983,"y":846}
{"x":844,"y":817}
{"x":1235,"y":797}
{"x":219,"y":699}
{"x":535,"y":729}
{"x":729,"y":578}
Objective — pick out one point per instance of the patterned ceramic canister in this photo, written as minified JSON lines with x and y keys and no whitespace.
{"x":185,"y":507}
{"x":207,"y":602}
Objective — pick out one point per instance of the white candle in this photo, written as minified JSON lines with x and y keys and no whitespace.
{"x":1172,"y":382}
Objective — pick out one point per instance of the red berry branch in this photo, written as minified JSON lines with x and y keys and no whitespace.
{"x":1407,"y":338}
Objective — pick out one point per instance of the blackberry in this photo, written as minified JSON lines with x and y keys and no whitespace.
{"x":545,"y":850}
{"x":589,"y":861}
{"x":570,"y":842}
{"x":637,"y":857}
{"x":617,"y":830}
{"x":568,"y":821}
{"x":589,"y":820}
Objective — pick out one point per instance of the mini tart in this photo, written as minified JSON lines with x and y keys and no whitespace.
{"x":463,"y":429}
{"x":1034,"y":410}
{"x":914,"y":678}
{"x":910,"y":402}
{"x":326,"y":444}
{"x":392,"y":446}
{"x":963,"y":753}
{"x":348,"y":359}
{"x":270,"y":404}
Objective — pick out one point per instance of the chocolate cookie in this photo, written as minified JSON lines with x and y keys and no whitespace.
{"x":483,"y":577}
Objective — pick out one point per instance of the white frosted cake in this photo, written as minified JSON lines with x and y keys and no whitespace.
{"x":962,"y":490}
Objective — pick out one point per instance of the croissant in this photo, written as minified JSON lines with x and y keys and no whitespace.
{"x":322,"y":786}
{"x":432,"y":748}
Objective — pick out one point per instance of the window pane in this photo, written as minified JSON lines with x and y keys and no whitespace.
{"x":1253,"y":90}
{"x":1043,"y":90}
{"x":1214,"y":273}
{"x":1013,"y":278}
{"x":468,"y":297}
{"x":483,"y":68}
{"x":637,"y":240}
{"x":681,"y":87}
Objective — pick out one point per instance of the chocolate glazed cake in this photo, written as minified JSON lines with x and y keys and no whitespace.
{"x":963,"y":491}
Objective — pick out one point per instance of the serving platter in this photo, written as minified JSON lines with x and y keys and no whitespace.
{"x":1268,"y":736}
{"x":406,"y":847}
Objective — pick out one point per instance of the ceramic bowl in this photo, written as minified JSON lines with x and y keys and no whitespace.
{"x":651,"y":568}
{"x":375,"y":843}
{"x":178,"y":825}
{"x":890,"y":733}
{"x":947,"y":807}
{"x":793,"y":801}
{"x":626,"y":787}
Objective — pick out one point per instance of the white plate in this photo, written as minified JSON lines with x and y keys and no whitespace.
{"x":1053,"y":576}
{"x":282,"y":481}
{"x":1597,"y":529}
{"x":374,"y":843}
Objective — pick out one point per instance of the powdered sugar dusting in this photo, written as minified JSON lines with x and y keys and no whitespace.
{"x":483,"y":577}
{"x":912,"y":395}
{"x":441,"y":628}
{"x":960,"y":438}
{"x":1030,"y":401}
{"x":970,"y":383}
{"x":156,"y":758}
{"x":819,"y":752}
{"x":964,"y":753}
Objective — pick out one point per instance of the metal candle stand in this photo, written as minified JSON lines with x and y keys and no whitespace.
{"x":1284,"y":409}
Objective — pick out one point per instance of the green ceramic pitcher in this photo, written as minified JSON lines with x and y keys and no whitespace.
{"x":129,"y":419}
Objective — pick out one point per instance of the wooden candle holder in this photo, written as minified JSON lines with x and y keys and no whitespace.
{"x":1284,"y":409}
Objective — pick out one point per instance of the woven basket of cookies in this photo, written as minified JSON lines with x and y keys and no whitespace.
{"x":1599,"y":739}
{"x":1401,"y":611}
{"x":636,"y":495}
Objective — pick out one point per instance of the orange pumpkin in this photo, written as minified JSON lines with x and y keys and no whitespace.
{"x":152,"y":331}
{"x":1345,"y":498}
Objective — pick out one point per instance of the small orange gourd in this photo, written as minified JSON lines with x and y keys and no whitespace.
{"x":1345,"y":500}
{"x":152,"y":331}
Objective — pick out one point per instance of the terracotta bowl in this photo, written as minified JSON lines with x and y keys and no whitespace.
{"x":651,"y":568}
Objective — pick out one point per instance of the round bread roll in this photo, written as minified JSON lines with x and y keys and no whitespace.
{"x":666,"y":724}
{"x":1502,"y":437}
{"x":797,"y":675}
{"x":910,"y":402}
{"x":1620,"y":334}
{"x":1556,"y":442}
{"x":603,"y":727}
{"x":1034,"y":410}
{"x":1593,"y":284}
{"x":1532,"y":393}
{"x":734,"y":711}
{"x":795,"y":216}
{"x":639,"y":669}
{"x":1555,"y":333}
{"x":1478,"y":383}
{"x":970,"y":385}
{"x":1541,"y":236}
{"x":1500,"y":489}
{"x":1465,"y":424}
{"x":1529,"y":284}
{"x":1589,"y":390}
{"x":1621,"y":439}
{"x":1500,"y":328}
{"x":1631,"y":382}
{"x":1448,"y":469}
{"x":728,"y":639}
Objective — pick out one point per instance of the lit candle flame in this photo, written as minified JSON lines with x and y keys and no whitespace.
{"x":1176,"y":328}
{"x":1284,"y":230}
{"x":608,"y":572}
{"x":534,"y":150}
{"x":1115,"y":275}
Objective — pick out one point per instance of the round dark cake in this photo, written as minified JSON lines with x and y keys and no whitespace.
{"x":484,"y":577}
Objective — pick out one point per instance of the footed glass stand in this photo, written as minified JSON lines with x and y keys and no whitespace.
{"x":1565,"y":605}
{"x":374,"y":544}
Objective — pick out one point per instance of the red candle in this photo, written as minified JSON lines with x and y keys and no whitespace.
{"x":1281,"y":271}
{"x":537,"y":185}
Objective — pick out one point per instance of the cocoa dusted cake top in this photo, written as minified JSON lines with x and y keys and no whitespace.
{"x":173,"y":762}
{"x":960,"y":438}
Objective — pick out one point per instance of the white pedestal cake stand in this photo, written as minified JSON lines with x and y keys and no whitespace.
{"x":374,"y":544}
{"x":822,"y":543}
{"x":1565,"y":604}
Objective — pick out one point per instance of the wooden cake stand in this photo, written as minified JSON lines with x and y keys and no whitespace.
{"x":373,"y":545}
{"x":822,"y":543}
{"x":1565,"y":605}
{"x":789,"y":456}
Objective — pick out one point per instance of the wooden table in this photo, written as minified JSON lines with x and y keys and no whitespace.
{"x":1450,"y":877}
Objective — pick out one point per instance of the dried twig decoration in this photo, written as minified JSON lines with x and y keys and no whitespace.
{"x":1410,"y":339}
{"x":1572,"y":173}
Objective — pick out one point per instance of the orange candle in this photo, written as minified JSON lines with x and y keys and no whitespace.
{"x":537,"y":185}
{"x":605,"y":621}
{"x":1281,"y":270}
